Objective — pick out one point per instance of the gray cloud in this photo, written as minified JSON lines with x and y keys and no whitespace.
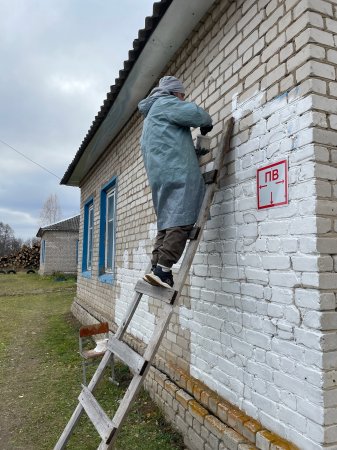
{"x":58,"y":59}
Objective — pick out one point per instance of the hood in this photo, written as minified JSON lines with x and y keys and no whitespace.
{"x":145,"y":105}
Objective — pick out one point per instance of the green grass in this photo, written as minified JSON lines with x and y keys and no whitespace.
{"x":40,"y":374}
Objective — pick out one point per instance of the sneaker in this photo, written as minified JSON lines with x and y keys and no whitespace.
{"x":160,"y":278}
{"x":152,"y":270}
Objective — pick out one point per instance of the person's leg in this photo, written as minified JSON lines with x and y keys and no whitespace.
{"x":173,"y":245}
{"x":169,"y":252}
{"x":156,"y":248}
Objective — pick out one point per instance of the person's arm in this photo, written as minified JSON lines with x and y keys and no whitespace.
{"x":187,"y":114}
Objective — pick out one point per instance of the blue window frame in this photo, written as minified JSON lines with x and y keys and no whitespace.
{"x":88,"y":237}
{"x":43,"y":251}
{"x":76,"y":249}
{"x":107,"y":232}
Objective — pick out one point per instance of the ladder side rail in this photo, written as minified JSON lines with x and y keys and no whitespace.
{"x":193,"y":245}
{"x":148,"y":355}
{"x":67,"y":432}
{"x":158,"y":333}
{"x":204,"y":210}
{"x":137,"y":381}
{"x":129,"y":313}
{"x":128,"y":316}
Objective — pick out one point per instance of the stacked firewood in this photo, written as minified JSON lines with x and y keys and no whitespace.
{"x":27,"y":257}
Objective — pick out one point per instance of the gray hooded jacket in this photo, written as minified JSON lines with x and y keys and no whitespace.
{"x":170,"y":160}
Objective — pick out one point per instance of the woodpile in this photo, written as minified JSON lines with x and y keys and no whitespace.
{"x":26,"y":258}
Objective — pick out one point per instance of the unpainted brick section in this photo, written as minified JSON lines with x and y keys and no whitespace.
{"x":60,"y":252}
{"x":192,"y":420}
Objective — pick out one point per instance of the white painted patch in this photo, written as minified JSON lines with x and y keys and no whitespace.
{"x":142,"y":324}
{"x":229,"y":321}
{"x":126,"y":259}
{"x":152,"y":230}
{"x":251,"y":104}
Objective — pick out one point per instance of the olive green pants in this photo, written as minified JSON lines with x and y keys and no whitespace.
{"x":169,"y":245}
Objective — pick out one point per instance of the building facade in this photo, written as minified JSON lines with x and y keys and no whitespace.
{"x":250,"y":356}
{"x":59,"y":247}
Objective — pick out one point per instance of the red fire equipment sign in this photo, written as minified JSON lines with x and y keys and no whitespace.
{"x":272,"y":185}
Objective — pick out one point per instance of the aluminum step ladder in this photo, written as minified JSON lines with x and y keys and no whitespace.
{"x":108,"y":428}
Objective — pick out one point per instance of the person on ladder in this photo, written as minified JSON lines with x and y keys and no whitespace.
{"x":173,"y":171}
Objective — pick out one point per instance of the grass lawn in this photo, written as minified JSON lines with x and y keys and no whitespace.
{"x":40,"y":374}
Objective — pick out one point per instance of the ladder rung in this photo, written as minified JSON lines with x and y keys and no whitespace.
{"x":131,"y":358}
{"x":125,"y":404}
{"x":98,"y":417}
{"x":210,"y":177}
{"x":167,"y":295}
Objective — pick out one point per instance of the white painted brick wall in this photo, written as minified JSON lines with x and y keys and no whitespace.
{"x":278,"y":128}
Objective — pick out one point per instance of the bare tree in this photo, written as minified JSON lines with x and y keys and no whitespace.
{"x":30,"y":242}
{"x":51,"y":211}
{"x":8,"y":242}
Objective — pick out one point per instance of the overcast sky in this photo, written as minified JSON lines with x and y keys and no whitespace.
{"x":58,"y":60}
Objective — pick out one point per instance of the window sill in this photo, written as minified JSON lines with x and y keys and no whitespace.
{"x":86,"y":274}
{"x":106,"y":278}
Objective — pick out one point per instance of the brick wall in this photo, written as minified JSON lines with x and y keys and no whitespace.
{"x":257,"y":321}
{"x":60,"y":252}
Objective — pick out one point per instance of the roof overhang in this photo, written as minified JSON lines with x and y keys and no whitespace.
{"x":70,"y":224}
{"x":173,"y":29}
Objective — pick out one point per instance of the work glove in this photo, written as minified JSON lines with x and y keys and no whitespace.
{"x":205,"y":130}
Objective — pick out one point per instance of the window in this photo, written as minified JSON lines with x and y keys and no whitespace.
{"x":76,"y":249}
{"x":110,"y":230}
{"x":43,"y":251}
{"x":107,"y":232}
{"x":88,"y":237}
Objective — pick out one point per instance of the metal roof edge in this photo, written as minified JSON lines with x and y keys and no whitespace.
{"x":53,"y":226}
{"x":164,"y":33}
{"x":151,"y":23}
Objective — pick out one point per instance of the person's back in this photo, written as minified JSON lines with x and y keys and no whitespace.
{"x":173,"y":171}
